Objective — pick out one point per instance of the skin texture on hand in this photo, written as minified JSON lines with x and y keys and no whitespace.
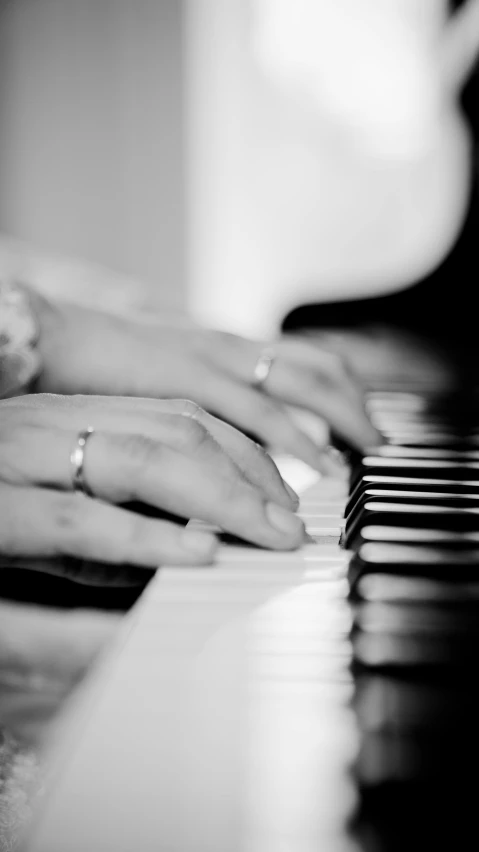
{"x":85,"y":351}
{"x":170,"y":455}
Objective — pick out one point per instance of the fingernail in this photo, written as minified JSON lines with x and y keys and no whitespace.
{"x":337,"y":455}
{"x":374,"y":451}
{"x":198,"y":542}
{"x":283,"y":520}
{"x":292,"y":494}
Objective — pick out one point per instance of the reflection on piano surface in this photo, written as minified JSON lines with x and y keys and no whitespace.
{"x":301,"y":701}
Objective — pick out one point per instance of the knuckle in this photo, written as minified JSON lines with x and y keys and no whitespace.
{"x":66,"y":512}
{"x":136,"y":456}
{"x":9,"y":515}
{"x":18,"y":442}
{"x":191,"y":434}
{"x":335,"y":366}
{"x":273,"y":420}
{"x":262,"y":457}
{"x":69,"y":515}
{"x":191,"y":409}
{"x":264,"y":411}
{"x":133,"y":533}
{"x":138,"y":450}
{"x":245,"y":504}
{"x":325,"y":380}
{"x":234,"y":488}
{"x":318,"y":363}
{"x":9,"y":438}
{"x":230,"y":493}
{"x":50,"y":400}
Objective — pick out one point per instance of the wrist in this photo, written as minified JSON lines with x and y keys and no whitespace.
{"x":20,"y":358}
{"x":51,"y":319}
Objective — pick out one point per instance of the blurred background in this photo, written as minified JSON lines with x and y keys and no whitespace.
{"x":234,"y":157}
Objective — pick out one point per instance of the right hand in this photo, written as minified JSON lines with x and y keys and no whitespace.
{"x":88,"y":352}
{"x":168,"y":454}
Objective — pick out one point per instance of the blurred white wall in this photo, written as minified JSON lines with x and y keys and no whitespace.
{"x":325,"y":159}
{"x":91,"y":134}
{"x":291,"y":194}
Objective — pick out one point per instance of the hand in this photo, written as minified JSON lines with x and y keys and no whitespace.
{"x":88,"y":352}
{"x":170,"y":455}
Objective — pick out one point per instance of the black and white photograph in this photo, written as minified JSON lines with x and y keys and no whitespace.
{"x":239,"y":425}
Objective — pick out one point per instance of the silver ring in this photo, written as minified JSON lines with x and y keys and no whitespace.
{"x":77,"y":460}
{"x":263,"y":366}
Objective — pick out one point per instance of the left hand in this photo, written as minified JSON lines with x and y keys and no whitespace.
{"x":85,"y":351}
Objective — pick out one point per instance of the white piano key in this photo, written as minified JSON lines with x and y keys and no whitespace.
{"x":315,"y":551}
{"x":221,"y":720}
{"x":333,"y":510}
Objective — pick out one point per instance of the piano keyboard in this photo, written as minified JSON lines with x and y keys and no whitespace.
{"x":412,"y":523}
{"x":317,"y":700}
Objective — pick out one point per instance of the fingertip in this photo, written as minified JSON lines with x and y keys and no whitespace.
{"x":333,"y":463}
{"x":339,"y":457}
{"x":200,"y":544}
{"x":285,"y":522}
{"x":375,"y":444}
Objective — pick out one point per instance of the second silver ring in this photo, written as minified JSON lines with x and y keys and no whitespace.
{"x":77,"y":460}
{"x":262,"y":369}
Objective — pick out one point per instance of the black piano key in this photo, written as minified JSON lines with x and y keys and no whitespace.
{"x":448,"y":421}
{"x":418,"y":536}
{"x":398,"y":483}
{"x":414,"y":592}
{"x":467,"y":421}
{"x":417,"y":523}
{"x":403,"y":403}
{"x":419,"y":438}
{"x":390,"y":650}
{"x":431,"y":561}
{"x":459,"y":454}
{"x":420,"y":516}
{"x":417,"y":426}
{"x":418,"y":619}
{"x":402,"y":705}
{"x":417,"y":468}
{"x":458,"y":408}
{"x":440,"y":807}
{"x":386,"y":757}
{"x":389,"y":588}
{"x":435,"y":498}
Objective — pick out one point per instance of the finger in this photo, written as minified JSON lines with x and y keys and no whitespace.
{"x":329,"y":398}
{"x":41,"y":523}
{"x":122,"y":468}
{"x":208,"y":487}
{"x":257,"y":413}
{"x":172,"y":422}
{"x":305,"y":375}
{"x":255,"y":463}
{"x":251,"y":459}
{"x":335,"y":366}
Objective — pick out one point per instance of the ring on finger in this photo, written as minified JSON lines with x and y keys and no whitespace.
{"x":262,"y":369}
{"x":77,"y":460}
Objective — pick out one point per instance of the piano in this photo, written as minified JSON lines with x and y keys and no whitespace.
{"x":317,"y":700}
{"x":324,"y":700}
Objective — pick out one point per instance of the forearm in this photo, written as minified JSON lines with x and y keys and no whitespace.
{"x":60,"y":277}
{"x":72,"y":346}
{"x":72,"y":303}
{"x":20,"y":360}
